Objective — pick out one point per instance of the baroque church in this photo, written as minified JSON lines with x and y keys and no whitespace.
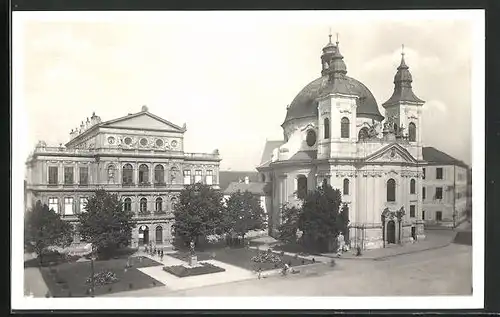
{"x":333,"y":131}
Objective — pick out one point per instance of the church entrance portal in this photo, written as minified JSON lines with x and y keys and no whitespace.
{"x":391,"y":232}
{"x":143,"y":235}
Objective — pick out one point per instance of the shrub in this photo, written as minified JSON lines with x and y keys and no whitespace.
{"x":102,"y":278}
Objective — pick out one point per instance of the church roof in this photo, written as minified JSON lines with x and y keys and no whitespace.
{"x":304,"y":156}
{"x":434,"y":156}
{"x":256,"y":188}
{"x":268,"y":151}
{"x":227,"y":177}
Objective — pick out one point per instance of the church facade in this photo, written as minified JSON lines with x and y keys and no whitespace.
{"x":334,"y":132}
{"x":139,"y":156}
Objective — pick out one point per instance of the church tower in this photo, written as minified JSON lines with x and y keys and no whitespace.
{"x":405,"y":108}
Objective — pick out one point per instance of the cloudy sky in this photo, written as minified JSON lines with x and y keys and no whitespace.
{"x":230,"y":76}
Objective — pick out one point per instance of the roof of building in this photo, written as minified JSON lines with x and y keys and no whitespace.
{"x":227,"y":177}
{"x":402,"y":86}
{"x":304,"y":156}
{"x":433,"y":155}
{"x":256,"y":188}
{"x":268,"y":151}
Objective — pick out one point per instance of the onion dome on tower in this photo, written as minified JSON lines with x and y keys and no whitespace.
{"x":327,"y":55}
{"x":402,"y":86}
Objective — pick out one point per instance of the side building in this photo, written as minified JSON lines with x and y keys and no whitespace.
{"x":139,"y":156}
{"x":445,"y":192}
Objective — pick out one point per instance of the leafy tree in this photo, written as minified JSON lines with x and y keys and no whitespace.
{"x":197,"y":213}
{"x":289,"y":225}
{"x":319,"y":216}
{"x":105,"y":224}
{"x":44,"y":228}
{"x":243,"y":212}
{"x":343,"y":220}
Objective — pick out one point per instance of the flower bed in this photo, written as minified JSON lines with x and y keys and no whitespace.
{"x":267,"y":257}
{"x":103,"y":278}
{"x":183,"y":271}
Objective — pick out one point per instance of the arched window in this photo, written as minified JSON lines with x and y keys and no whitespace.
{"x":391,"y":190}
{"x":344,"y":128}
{"x":127,"y":204}
{"x":159,"y":204}
{"x":159,"y":174}
{"x":301,"y":187}
{"x":346,"y":186}
{"x":363,"y":134}
{"x":128,"y":172}
{"x":159,"y":235}
{"x":327,"y":128}
{"x":412,"y":186}
{"x":143,"y":205}
{"x":412,"y":132}
{"x":143,"y":173}
{"x":173,"y":201}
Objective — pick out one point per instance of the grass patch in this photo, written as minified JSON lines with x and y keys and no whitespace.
{"x":183,"y":271}
{"x":71,"y":278}
{"x":243,"y":258}
{"x":295,"y":248}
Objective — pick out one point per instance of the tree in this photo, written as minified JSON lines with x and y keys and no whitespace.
{"x":197,"y":213}
{"x":44,"y":228}
{"x":343,"y":220}
{"x":105,"y":224}
{"x":319,"y":216}
{"x":243,"y":212}
{"x":289,"y":225}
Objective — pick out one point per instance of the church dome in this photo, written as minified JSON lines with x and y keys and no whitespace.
{"x":304,"y":105}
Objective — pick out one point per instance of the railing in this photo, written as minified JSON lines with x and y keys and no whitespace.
{"x":114,"y":150}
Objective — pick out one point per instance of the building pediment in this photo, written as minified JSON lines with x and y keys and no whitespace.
{"x":393,"y":153}
{"x":143,"y":121}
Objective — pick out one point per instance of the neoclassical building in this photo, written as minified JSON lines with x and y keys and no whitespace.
{"x":139,"y":156}
{"x":333,"y":131}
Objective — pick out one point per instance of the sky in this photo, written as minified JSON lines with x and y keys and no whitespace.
{"x":230,"y":77}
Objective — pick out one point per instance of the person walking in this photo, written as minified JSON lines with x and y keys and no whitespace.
{"x":161,"y":255}
{"x":259,"y":272}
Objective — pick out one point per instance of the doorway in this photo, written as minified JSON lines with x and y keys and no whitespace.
{"x":143,"y":235}
{"x":414,"y":233}
{"x":391,"y":232}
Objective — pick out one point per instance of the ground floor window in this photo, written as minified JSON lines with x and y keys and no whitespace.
{"x":54,"y":204}
{"x":159,"y":234}
{"x":83,"y":204}
{"x":68,"y":205}
{"x":439,"y":216}
{"x":412,"y":211}
{"x":423,"y":214}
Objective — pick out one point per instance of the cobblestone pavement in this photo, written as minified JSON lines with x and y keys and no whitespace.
{"x":444,"y":271}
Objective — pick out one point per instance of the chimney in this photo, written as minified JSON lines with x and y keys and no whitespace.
{"x":247,"y":180}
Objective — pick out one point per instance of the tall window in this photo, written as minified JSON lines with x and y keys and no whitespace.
{"x":54,"y":204}
{"x":111,"y":173}
{"x":128,"y":174}
{"x":346,"y":186}
{"x":68,"y":205}
{"x":143,"y":173}
{"x":159,"y":174}
{"x":363,"y":134}
{"x":83,"y":204}
{"x":301,"y":187}
{"x":423,"y":173}
{"x":423,"y":192}
{"x":344,"y":128}
{"x":127,"y":204}
{"x":439,"y":193}
{"x":144,"y":205}
{"x":197,"y":176}
{"x":209,"y":177}
{"x":84,"y":175}
{"x":391,"y":190}
{"x":439,"y":173}
{"x":53,"y":175}
{"x":159,"y":203}
{"x":412,"y":186}
{"x":412,"y":132}
{"x":159,"y":235}
{"x":327,"y":128}
{"x":68,"y":175}
{"x":423,"y":214}
{"x":412,"y":211}
{"x":439,"y":216}
{"x":187,"y":177}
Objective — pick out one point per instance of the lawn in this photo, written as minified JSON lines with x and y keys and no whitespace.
{"x":75,"y":275}
{"x":242,"y":257}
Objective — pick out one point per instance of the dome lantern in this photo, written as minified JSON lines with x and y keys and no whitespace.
{"x":326,"y":57}
{"x":337,"y":67}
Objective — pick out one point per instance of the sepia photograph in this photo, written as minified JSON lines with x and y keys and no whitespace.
{"x":248,"y":159}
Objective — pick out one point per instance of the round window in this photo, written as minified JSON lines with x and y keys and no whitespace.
{"x":311,"y":138}
{"x":144,"y":142}
{"x":174,"y":143}
{"x":159,"y":142}
{"x":128,"y":141}
{"x":111,"y":140}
